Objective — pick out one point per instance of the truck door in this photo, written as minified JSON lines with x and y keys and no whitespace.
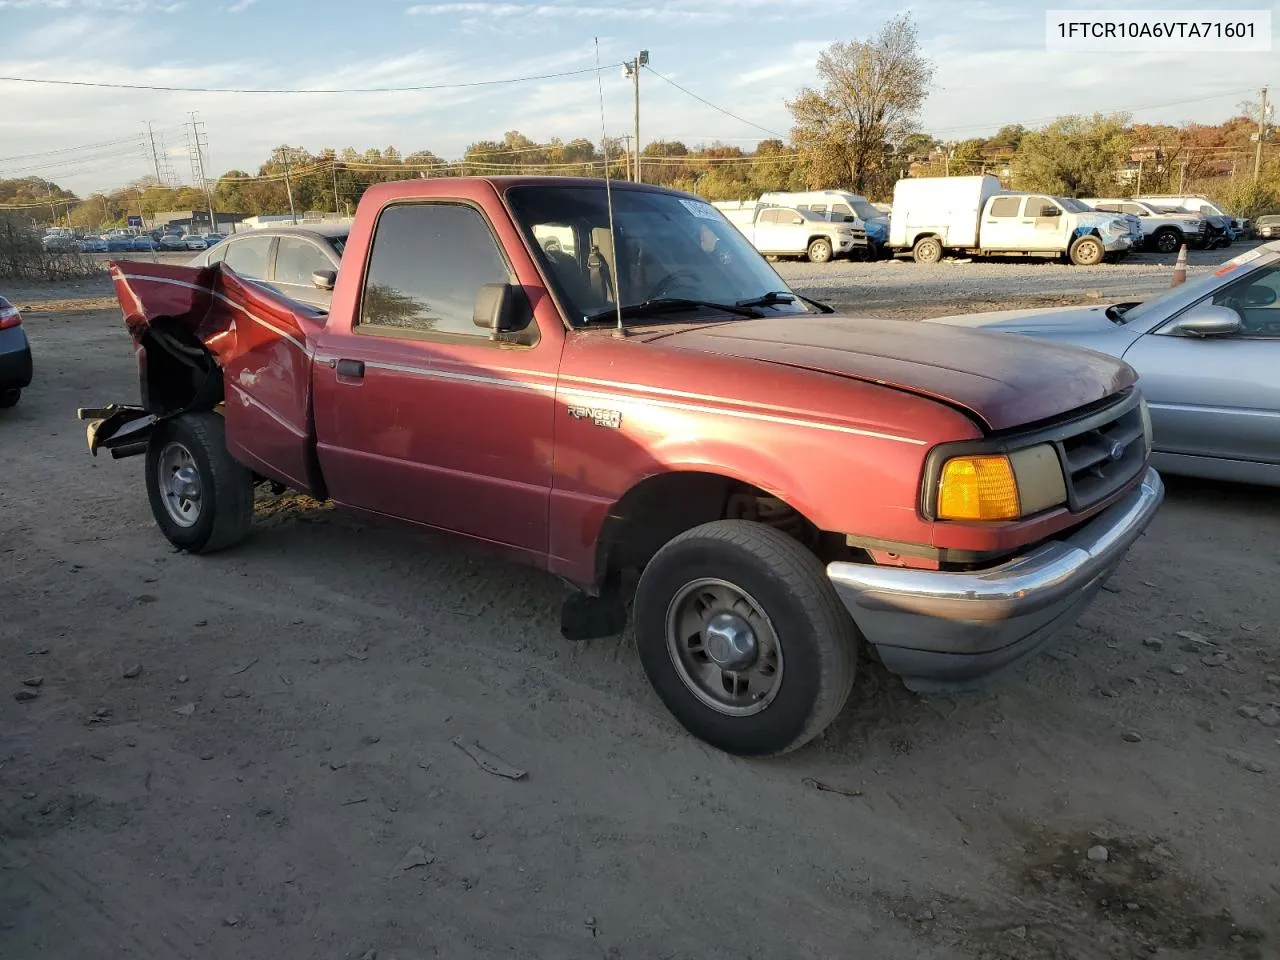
{"x":1048,"y":225}
{"x":782,"y":231}
{"x":1001,"y":227}
{"x":421,"y":415}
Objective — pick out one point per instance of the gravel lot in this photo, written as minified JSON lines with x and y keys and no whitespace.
{"x":251,"y":754}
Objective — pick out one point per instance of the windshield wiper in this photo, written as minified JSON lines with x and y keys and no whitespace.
{"x":660,"y":305}
{"x":784,"y":296}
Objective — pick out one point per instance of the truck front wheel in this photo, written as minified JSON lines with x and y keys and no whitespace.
{"x":927,"y":250}
{"x":201,"y":498}
{"x":1087,"y":252}
{"x":743,"y":637}
{"x":1167,"y":239}
{"x":819,"y":250}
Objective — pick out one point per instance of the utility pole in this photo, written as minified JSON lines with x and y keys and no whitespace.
{"x":1139,"y":191}
{"x":53,"y":211}
{"x":1182,"y":175}
{"x":632,"y":69}
{"x":204,"y":181}
{"x":1262,"y":127}
{"x":155,"y":157}
{"x":333,"y":168}
{"x":288,"y":186}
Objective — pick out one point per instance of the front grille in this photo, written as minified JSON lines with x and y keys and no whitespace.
{"x":1099,"y":461}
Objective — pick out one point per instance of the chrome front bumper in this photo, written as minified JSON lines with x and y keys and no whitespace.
{"x":942,"y":629}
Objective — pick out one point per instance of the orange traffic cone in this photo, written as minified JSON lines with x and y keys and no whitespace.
{"x":1180,"y":267}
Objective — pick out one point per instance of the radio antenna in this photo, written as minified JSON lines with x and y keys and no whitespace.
{"x":608,"y":200}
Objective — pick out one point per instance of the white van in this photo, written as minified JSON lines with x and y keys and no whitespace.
{"x":828,"y":204}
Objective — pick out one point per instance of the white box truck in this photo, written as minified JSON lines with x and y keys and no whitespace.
{"x":935,"y":216}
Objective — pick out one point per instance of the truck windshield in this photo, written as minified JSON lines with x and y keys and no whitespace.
{"x":669,"y":247}
{"x":866,"y":211}
{"x":1072,"y":206}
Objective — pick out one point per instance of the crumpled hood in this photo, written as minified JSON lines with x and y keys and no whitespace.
{"x":1002,"y":382}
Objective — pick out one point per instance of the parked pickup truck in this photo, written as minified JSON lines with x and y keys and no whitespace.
{"x":650,"y":397}
{"x":1161,"y":230}
{"x":934,"y":216}
{"x":790,"y":232}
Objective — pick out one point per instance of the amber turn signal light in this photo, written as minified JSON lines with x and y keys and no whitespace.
{"x":978,"y":488}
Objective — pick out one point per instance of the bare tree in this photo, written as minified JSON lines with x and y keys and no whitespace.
{"x":871,"y":94}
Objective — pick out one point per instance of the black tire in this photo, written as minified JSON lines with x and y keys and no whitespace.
{"x":9,"y":398}
{"x":1167,"y":240}
{"x":1087,"y":251}
{"x":820,"y":250}
{"x":224,"y":501}
{"x":927,"y":250}
{"x":816,"y":636}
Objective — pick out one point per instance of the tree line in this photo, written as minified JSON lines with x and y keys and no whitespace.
{"x":858,"y":129}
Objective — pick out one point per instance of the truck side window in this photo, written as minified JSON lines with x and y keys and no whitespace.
{"x":841,"y":210}
{"x":820,"y":209}
{"x":1005,"y":206}
{"x":1041,"y":207}
{"x":429,"y":260}
{"x":770,"y":216}
{"x":1107,"y":207}
{"x":1133,"y":208}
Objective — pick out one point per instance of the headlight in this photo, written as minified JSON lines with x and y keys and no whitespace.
{"x":1000,"y":486}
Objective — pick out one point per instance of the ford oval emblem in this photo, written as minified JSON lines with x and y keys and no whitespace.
{"x":1117,"y":450}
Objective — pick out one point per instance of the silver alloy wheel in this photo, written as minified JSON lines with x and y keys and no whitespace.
{"x":724,"y":647}
{"x":179,"y":481}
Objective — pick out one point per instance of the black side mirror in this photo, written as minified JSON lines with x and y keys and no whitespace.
{"x":1049,"y":210}
{"x":324,"y":279}
{"x":497,"y":309}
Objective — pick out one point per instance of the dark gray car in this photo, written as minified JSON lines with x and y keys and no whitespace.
{"x":1207,"y":353}
{"x":300,"y":262}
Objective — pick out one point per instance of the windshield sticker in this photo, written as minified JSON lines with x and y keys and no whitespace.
{"x":701,"y":209}
{"x":1247,"y":257}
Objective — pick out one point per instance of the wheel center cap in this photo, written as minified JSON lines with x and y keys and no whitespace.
{"x":186,"y":483}
{"x":730,"y":642}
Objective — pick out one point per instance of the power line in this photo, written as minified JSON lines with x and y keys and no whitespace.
{"x":60,"y":150}
{"x":713,"y":106}
{"x":411,"y":89}
{"x":1056,"y":116}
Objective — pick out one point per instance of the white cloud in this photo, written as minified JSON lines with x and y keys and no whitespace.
{"x":240,"y":6}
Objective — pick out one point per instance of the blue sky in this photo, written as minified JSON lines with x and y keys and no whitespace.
{"x":745,"y":55}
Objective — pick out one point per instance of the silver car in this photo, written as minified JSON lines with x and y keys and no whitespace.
{"x":1207,"y":353}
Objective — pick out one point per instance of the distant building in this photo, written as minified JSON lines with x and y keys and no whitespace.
{"x":287,"y":219}
{"x":196,"y":221}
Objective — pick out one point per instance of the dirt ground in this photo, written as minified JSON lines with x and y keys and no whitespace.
{"x":254,"y":754}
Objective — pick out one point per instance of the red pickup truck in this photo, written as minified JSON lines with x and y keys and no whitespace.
{"x":605,"y":384}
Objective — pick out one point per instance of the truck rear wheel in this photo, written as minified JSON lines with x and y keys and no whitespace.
{"x":201,"y":498}
{"x":1087,"y":251}
{"x":819,"y":250}
{"x":743,"y":637}
{"x":927,"y":250}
